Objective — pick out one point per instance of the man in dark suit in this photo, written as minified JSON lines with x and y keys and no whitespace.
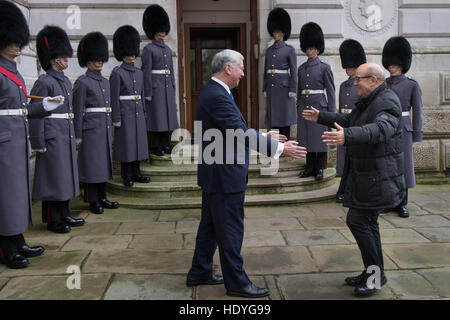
{"x":224,"y":182}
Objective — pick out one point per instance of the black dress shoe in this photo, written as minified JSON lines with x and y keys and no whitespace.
{"x":60,"y":227}
{"x":319,"y":175}
{"x":305,"y":174}
{"x":30,"y":252}
{"x":105,"y":203}
{"x":167,"y":150}
{"x":74,"y":222}
{"x":128,"y":182}
{"x":249,"y":291}
{"x":158,"y":152}
{"x":403,"y":212}
{"x":210,"y":281}
{"x":96,"y":208}
{"x":339,"y":198}
{"x":141,"y":179}
{"x":363,"y":290}
{"x":15,"y":262}
{"x":356,"y":281}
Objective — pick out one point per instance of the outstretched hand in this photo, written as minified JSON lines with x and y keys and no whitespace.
{"x":291,"y":149}
{"x":311,"y":115}
{"x":276,"y":136}
{"x":334,"y":138}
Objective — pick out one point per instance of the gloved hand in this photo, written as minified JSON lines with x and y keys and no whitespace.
{"x":117,"y":124}
{"x":265,"y":94}
{"x":292,"y":94}
{"x":51,"y":103}
{"x":40,"y":150}
{"x":78,"y":142}
{"x":148,"y":99}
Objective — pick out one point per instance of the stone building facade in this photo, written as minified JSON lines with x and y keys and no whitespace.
{"x":199,"y":27}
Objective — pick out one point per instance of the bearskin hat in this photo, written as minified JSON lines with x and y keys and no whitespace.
{"x":352,"y":54}
{"x":155,"y":20}
{"x":279,"y":19}
{"x":311,"y":35}
{"x":92,"y":47}
{"x":397,"y":51}
{"x":13,"y":25}
{"x":126,"y":42}
{"x":52,"y":42}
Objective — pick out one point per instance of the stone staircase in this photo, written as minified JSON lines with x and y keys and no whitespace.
{"x":174,"y":183}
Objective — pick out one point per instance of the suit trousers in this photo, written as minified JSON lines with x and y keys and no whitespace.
{"x":222,"y":225}
{"x":94,"y":192}
{"x":55,"y":211}
{"x":9,"y":245}
{"x":286,"y":131}
{"x":364,"y":226}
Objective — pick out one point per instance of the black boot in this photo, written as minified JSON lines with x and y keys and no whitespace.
{"x":403,"y":212}
{"x":105,"y":203}
{"x":16,"y":261}
{"x":30,"y":252}
{"x":96,"y":208}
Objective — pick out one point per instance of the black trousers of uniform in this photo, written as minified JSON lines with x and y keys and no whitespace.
{"x":364,"y":226}
{"x":9,"y":245}
{"x":94,"y":192}
{"x":55,"y":211}
{"x":131,"y":170}
{"x":158,"y":140}
{"x":316,"y":161}
{"x":405,"y":199}
{"x":286,"y":131}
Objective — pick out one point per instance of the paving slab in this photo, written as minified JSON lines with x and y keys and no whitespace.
{"x":124,"y":215}
{"x":55,"y":288}
{"x":278,"y":212}
{"x":328,"y":209}
{"x":100,"y":242}
{"x":3,"y":281}
{"x":418,"y":221}
{"x":187,"y":226}
{"x":427,"y":255}
{"x":51,"y":241}
{"x":272,"y":286}
{"x":146,"y":228}
{"x":392,"y":236}
{"x":323,"y":286}
{"x":139,"y":261}
{"x":409,"y":285}
{"x":218,"y":292}
{"x":433,"y":204}
{"x":313,"y":237}
{"x":271,"y":224}
{"x":2,"y":267}
{"x":384,"y":224}
{"x":435,"y":234}
{"x":180,"y":215}
{"x":97,"y":228}
{"x":332,"y":258}
{"x":157,"y":241}
{"x":50,"y":263}
{"x":148,"y":287}
{"x":263,"y":239}
{"x":276,"y":260}
{"x":439,"y":279}
{"x":323,"y":223}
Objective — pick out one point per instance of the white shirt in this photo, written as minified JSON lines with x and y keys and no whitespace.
{"x":280,"y":147}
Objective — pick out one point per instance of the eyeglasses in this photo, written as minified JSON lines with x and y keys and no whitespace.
{"x":357,"y":79}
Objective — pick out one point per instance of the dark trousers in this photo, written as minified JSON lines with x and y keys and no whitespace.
{"x":131,"y":170}
{"x":221,"y":224}
{"x":316,"y":161}
{"x":158,"y":140}
{"x":364,"y":226}
{"x":286,"y":131}
{"x":94,"y":192}
{"x":55,"y":211}
{"x":9,"y":245}
{"x":405,"y":199}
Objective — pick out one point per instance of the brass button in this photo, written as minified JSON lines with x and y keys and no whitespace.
{"x":307,"y":86}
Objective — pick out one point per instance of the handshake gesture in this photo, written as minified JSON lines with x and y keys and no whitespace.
{"x":331,"y":138}
{"x":291,"y":148}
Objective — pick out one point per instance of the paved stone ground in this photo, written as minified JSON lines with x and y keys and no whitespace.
{"x":298,"y":252}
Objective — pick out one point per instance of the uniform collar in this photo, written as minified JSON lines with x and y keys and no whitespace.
{"x":278,"y":45}
{"x":396,"y":79}
{"x":8,"y":64}
{"x":159,"y":43}
{"x":349,"y":82}
{"x":128,"y":66}
{"x":56,"y":74}
{"x":312,"y":62}
{"x":97,"y":75}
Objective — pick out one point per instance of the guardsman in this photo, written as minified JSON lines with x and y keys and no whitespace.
{"x":53,"y":137}
{"x":15,"y":184}
{"x":93,"y":123}
{"x":128,"y":112}
{"x":280,"y":78}
{"x":314,"y":79}
{"x":397,"y":57}
{"x":352,"y":56}
{"x":159,"y":81}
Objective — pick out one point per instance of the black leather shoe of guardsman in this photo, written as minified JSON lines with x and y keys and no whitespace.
{"x":96,"y":208}
{"x":105,"y":203}
{"x":249,"y":291}
{"x":141,"y":179}
{"x":403,"y":212}
{"x":363,"y":290}
{"x":128,"y":182}
{"x":60,"y":227}
{"x":210,"y":281}
{"x":305,"y":174}
{"x":30,"y":252}
{"x":74,"y":222}
{"x":15,"y":262}
{"x":319,"y":175}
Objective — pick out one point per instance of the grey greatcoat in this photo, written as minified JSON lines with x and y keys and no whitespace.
{"x":314,"y":75}
{"x":410,"y":95}
{"x":91,"y":90}
{"x":15,"y":182}
{"x":348,"y":95}
{"x":56,"y":170}
{"x":281,"y":111}
{"x":130,"y":139}
{"x":162,"y":109}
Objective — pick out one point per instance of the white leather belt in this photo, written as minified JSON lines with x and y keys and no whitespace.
{"x":136,"y":97}
{"x":273,"y":71}
{"x":312,"y":91}
{"x":107,"y":110}
{"x":14,"y":112}
{"x":344,"y":110}
{"x":164,"y":71}
{"x":405,"y":114}
{"x":60,"y":116}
